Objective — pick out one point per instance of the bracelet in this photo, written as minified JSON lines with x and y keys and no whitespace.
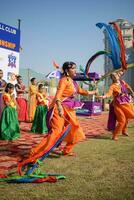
{"x":58,"y":100}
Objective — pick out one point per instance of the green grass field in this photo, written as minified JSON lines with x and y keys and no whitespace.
{"x":102,"y":170}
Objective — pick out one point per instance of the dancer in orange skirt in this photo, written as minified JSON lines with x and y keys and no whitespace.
{"x":62,"y":112}
{"x":123,"y":109}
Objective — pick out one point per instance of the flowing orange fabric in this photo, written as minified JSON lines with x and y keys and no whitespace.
{"x":32,"y":101}
{"x":123,"y":111}
{"x":65,"y":89}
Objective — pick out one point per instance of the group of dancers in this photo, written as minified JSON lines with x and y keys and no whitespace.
{"x":14,"y":110}
{"x":61,"y":111}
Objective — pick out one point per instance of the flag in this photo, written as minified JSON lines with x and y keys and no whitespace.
{"x":54,"y":74}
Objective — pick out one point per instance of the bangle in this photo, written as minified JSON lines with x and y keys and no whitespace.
{"x":58,"y":100}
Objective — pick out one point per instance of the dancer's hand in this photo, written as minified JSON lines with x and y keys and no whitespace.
{"x":101,"y":97}
{"x":26,"y":91}
{"x":17,"y":107}
{"x":13,"y":96}
{"x":60,"y":111}
{"x":96,"y":91}
{"x":132,"y":95}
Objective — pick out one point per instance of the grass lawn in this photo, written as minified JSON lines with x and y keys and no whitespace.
{"x":102,"y":170}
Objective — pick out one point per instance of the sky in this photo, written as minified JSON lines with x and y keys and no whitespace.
{"x":62,"y":30}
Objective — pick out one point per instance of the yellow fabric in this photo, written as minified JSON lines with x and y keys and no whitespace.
{"x":8,"y":98}
{"x":42,"y":98}
{"x":32,"y":101}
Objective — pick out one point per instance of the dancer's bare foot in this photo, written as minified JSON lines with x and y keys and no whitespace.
{"x":69,"y":154}
{"x":125,"y":134}
{"x":115,"y":138}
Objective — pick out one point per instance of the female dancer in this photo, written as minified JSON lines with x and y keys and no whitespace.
{"x":21,"y":100}
{"x":32,"y":99}
{"x":39,"y":123}
{"x":62,"y":112}
{"x":123,"y":109}
{"x":2,"y":88}
{"x":9,"y":125}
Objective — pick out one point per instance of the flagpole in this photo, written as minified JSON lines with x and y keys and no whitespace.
{"x":28,"y":76}
{"x":19,"y":22}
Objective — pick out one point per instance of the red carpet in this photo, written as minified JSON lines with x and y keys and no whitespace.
{"x":14,"y":151}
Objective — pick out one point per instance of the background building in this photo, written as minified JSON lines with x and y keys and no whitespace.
{"x":127,"y":29}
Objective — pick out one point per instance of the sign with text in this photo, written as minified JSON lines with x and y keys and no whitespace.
{"x":9,"y":37}
{"x":9,"y":51}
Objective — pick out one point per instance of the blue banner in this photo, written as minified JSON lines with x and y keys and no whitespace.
{"x":9,"y":37}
